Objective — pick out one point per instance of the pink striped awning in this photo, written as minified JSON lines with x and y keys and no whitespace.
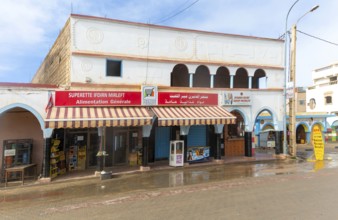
{"x":87,"y":117}
{"x":206,"y":115}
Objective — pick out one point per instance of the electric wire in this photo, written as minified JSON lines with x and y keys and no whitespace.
{"x":177,"y":13}
{"x":309,"y":35}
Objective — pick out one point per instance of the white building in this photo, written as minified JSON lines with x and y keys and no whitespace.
{"x":194,"y":78}
{"x":323,"y":95}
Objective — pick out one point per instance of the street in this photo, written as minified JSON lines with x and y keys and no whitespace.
{"x":282,"y":189}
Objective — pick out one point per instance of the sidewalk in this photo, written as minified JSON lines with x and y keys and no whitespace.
{"x":117,"y":171}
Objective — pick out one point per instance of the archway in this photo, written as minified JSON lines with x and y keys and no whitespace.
{"x":258,"y":79}
{"x":300,"y":134}
{"x":234,"y":136}
{"x":238,"y":129}
{"x":180,"y":76}
{"x":222,"y":78}
{"x":22,"y":125}
{"x":201,"y":77}
{"x":241,"y":79}
{"x":266,"y":136}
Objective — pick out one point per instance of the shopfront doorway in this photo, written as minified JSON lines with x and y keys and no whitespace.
{"x":120,"y":147}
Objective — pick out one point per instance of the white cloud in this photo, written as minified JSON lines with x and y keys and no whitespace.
{"x":29,"y":27}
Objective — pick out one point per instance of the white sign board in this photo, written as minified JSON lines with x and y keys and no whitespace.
{"x":10,"y":152}
{"x":237,"y":98}
{"x":289,"y":90}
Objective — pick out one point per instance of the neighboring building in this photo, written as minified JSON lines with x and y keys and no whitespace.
{"x":128,"y":89}
{"x":301,"y":99}
{"x":323,"y":96}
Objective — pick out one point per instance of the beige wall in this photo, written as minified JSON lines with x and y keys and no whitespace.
{"x":55,"y":69}
{"x":22,"y":125}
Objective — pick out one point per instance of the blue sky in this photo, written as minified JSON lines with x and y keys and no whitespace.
{"x":29,"y":27}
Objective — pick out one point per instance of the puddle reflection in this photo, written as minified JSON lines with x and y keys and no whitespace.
{"x":175,"y":178}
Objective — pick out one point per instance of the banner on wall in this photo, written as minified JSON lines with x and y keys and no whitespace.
{"x":186,"y":99}
{"x":318,"y":142}
{"x":97,"y":98}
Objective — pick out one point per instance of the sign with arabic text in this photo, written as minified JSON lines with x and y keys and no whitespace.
{"x":97,"y":98}
{"x":237,"y":98}
{"x":318,"y":143}
{"x":182,"y":98}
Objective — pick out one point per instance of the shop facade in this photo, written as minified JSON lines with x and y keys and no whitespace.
{"x":137,"y":93}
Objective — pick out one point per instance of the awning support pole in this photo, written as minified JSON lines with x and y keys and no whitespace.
{"x":218,"y":132}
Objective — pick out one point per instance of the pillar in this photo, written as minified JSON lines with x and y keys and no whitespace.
{"x":47,"y":135}
{"x":100,"y":153}
{"x":218,"y":132}
{"x":248,"y":144}
{"x":145,"y":151}
{"x":46,"y":158}
{"x":231,"y":81}
{"x":184,"y":131}
{"x":250,"y":82}
{"x":146,"y":131}
{"x":279,"y":142}
{"x":190,"y":80}
{"x":212,"y":81}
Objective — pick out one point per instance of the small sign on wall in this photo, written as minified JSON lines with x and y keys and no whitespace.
{"x":10,"y":152}
{"x":149,"y":95}
{"x":237,"y":98}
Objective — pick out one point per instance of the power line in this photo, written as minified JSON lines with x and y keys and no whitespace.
{"x":309,"y":35}
{"x":177,"y":13}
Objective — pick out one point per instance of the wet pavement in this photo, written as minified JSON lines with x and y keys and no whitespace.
{"x":59,"y":193}
{"x":166,"y":178}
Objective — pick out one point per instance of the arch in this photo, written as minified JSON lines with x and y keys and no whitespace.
{"x":268,"y":126}
{"x":238,"y":128}
{"x":305,"y":126}
{"x":241,"y":79}
{"x":273,"y":117}
{"x":180,"y":76}
{"x":301,"y":133}
{"x":26,"y":107}
{"x":259,"y":74}
{"x":202,"y":77}
{"x":321,"y":125}
{"x":222,"y":78}
{"x":334,"y":123}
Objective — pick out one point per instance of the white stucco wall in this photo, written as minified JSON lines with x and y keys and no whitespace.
{"x":131,"y":39}
{"x":318,"y":93}
{"x":34,"y":100}
{"x":262,"y":100}
{"x":95,"y":40}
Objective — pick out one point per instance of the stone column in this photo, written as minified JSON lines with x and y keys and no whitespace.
{"x":146,"y":131}
{"x":218,"y":131}
{"x":184,"y":131}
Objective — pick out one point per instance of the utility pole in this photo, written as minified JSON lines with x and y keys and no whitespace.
{"x":292,"y":100}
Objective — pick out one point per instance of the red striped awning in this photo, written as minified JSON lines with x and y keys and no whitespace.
{"x":87,"y":117}
{"x":206,"y":115}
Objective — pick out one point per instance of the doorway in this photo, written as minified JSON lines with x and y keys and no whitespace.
{"x":120,"y":147}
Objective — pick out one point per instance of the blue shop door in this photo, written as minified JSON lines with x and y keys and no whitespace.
{"x":162,"y":142}
{"x":197,"y":135}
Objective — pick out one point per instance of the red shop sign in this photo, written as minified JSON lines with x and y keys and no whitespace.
{"x":97,"y":98}
{"x":181,"y":98}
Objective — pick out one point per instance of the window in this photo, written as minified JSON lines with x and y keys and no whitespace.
{"x":328,"y":99}
{"x":302,"y":102}
{"x":113,"y":68}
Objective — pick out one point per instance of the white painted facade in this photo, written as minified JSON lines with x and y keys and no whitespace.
{"x":149,"y":53}
{"x":31,"y":99}
{"x":323,"y":96}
